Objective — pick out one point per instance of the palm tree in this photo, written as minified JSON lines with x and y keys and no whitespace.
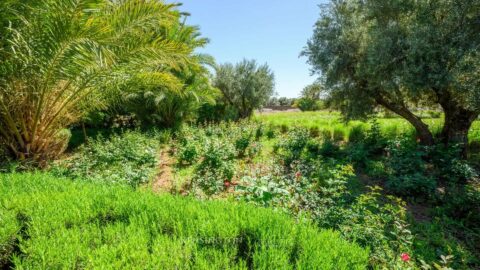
{"x":66,"y":53}
{"x":175,"y":99}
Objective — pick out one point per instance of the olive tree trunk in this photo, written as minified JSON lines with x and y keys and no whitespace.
{"x":458,"y":121}
{"x":456,"y":127}
{"x":423,"y":132}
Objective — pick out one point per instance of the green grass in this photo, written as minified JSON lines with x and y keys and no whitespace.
{"x":50,"y":223}
{"x":331,"y":121}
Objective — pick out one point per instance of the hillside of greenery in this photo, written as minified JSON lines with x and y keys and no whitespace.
{"x":122,"y":146}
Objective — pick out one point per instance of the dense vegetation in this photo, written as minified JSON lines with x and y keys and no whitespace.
{"x":401,"y":54}
{"x":114,"y":227}
{"x":106,"y":106}
{"x":361,"y":183}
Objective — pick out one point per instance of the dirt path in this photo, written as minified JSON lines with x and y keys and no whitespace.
{"x":164,"y":180}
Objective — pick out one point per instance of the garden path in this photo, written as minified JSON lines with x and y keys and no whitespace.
{"x":164,"y":180}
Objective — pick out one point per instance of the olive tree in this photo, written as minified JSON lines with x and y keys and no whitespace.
{"x":245,"y":86}
{"x":400,"y":54}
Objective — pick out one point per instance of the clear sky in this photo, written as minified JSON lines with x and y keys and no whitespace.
{"x":270,"y":31}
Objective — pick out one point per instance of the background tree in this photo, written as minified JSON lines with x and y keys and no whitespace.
{"x":245,"y":86}
{"x":65,"y":55}
{"x":310,"y":98}
{"x":312,"y":91}
{"x":397,"y":53}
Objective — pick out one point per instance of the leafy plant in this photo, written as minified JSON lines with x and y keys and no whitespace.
{"x":129,"y":158}
{"x":64,"y":57}
{"x":216,"y":166}
{"x":407,"y":169}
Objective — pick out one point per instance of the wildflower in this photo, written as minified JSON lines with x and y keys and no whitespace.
{"x":405,"y":257}
{"x":226,"y":184}
{"x":298,"y":174}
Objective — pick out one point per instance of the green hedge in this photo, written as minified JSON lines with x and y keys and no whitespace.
{"x":49,"y":223}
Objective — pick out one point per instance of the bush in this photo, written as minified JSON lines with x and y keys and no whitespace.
{"x":115,"y":227}
{"x":314,"y":132}
{"x":216,"y":166}
{"x":318,"y":189}
{"x":188,"y":153}
{"x":408,"y":170}
{"x":242,"y":143}
{"x":338,"y":134}
{"x":292,"y":145}
{"x":270,"y":133}
{"x":128,"y":158}
{"x":356,"y":134}
{"x":308,"y":104}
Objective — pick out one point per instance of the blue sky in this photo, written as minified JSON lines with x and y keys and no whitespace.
{"x":270,"y":31}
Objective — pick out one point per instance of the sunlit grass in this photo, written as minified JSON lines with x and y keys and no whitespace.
{"x":332,"y":121}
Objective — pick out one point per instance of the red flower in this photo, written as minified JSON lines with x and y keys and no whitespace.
{"x":405,"y":257}
{"x":226,"y":183}
{"x":298,"y":174}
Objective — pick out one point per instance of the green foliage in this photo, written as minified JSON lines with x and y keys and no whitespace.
{"x":356,"y":134}
{"x":218,"y":112}
{"x":245,"y":86}
{"x":216,"y":148}
{"x":408,"y":170}
{"x":64,"y":58}
{"x":215,"y":167}
{"x":188,"y":153}
{"x":319,"y":189}
{"x":291,"y":146}
{"x":312,"y":91}
{"x":163,"y":105}
{"x":308,"y":104}
{"x":400,"y":54}
{"x":115,"y":227}
{"x":128,"y":158}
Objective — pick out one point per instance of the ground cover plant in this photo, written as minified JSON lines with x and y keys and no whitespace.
{"x":115,"y":227}
{"x":129,"y":158}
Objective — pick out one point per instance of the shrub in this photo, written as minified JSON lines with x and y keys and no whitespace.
{"x":128,"y":158}
{"x":376,"y":169}
{"x":314,"y":132}
{"x":329,"y":149}
{"x":115,"y":227}
{"x":338,"y":134}
{"x":379,"y":223}
{"x":356,"y":134}
{"x":292,"y":145}
{"x":407,"y":169}
{"x":216,"y":166}
{"x":188,"y":153}
{"x":270,"y":133}
{"x":284,"y":128}
{"x":374,"y":139}
{"x":242,"y":143}
{"x":308,"y":104}
{"x":319,"y":190}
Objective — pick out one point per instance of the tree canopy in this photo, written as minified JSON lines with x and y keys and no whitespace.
{"x":60,"y":58}
{"x":246,"y":86}
{"x":400,"y":54}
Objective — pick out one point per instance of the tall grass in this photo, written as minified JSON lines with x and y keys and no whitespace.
{"x":332,"y":121}
{"x":49,"y":223}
